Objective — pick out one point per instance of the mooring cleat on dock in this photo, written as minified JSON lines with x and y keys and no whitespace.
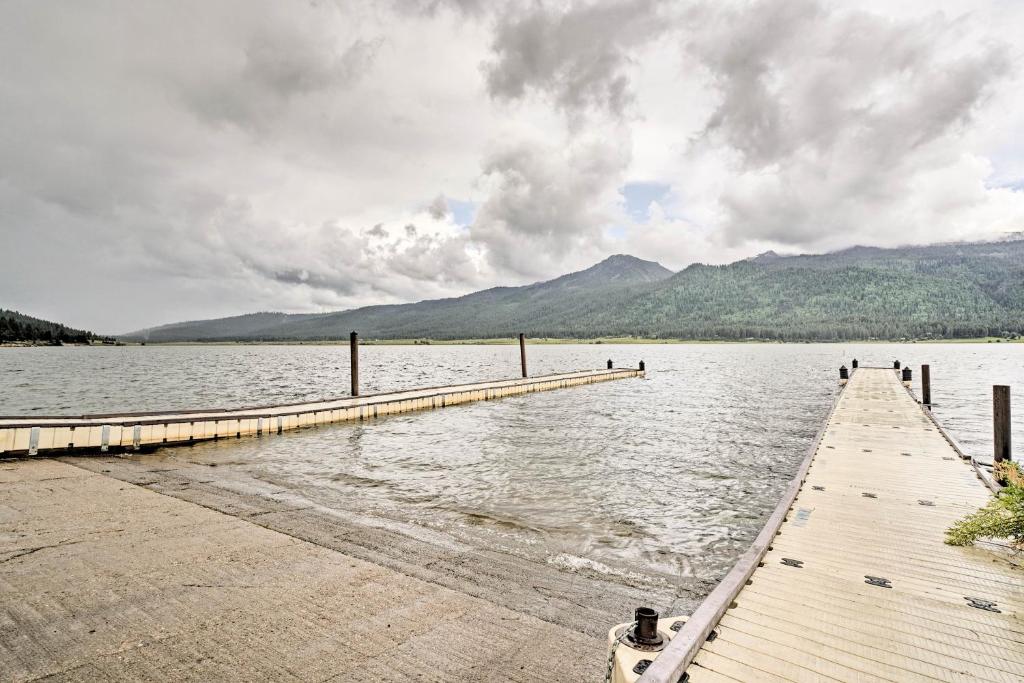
{"x":633,"y":646}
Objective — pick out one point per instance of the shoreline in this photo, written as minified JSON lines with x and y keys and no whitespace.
{"x":511,"y":341}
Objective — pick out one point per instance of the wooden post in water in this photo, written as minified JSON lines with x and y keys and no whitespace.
{"x":642,"y":366}
{"x":522,"y":351}
{"x":609,"y":363}
{"x":895,"y":365}
{"x":926,"y":385}
{"x":843,"y":372}
{"x":1001,"y":422}
{"x":854,"y":363}
{"x":353,"y":347}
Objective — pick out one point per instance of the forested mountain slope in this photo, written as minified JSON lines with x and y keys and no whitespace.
{"x":18,"y":327}
{"x":952,"y":290}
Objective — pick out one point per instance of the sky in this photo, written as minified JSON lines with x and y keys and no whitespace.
{"x":177,"y":161}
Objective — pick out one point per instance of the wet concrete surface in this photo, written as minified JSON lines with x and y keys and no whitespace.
{"x":116,"y":569}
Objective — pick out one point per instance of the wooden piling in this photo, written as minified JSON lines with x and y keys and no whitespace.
{"x":843,"y":372}
{"x":1001,"y":423}
{"x":353,"y":344}
{"x":609,"y":363}
{"x":642,"y":366}
{"x":926,"y":385}
{"x":854,"y":363}
{"x":522,"y":351}
{"x":895,"y":365}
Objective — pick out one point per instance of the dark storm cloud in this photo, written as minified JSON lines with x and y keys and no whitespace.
{"x":576,"y":55}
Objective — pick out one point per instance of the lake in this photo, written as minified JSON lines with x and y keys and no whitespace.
{"x":648,"y":479}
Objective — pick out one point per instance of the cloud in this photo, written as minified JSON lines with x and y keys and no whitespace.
{"x":438,"y":208}
{"x":166,"y":162}
{"x":836,"y":134}
{"x":547,"y":204}
{"x":577,"y":56}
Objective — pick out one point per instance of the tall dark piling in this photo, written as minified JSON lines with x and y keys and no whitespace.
{"x":907,"y":374}
{"x":843,"y":372}
{"x":609,"y":363}
{"x":926,"y":385}
{"x":854,"y":363}
{"x":1001,"y":423}
{"x":353,"y":347}
{"x":895,"y":365}
{"x":522,"y":352}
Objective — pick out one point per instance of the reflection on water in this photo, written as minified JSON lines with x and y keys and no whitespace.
{"x":650,"y":479}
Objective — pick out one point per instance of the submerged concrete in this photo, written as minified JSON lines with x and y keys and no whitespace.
{"x":117,"y":569}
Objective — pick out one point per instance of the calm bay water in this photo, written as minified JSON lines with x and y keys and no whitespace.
{"x":652,"y":479}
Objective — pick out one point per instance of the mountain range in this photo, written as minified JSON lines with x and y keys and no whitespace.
{"x":937,"y":291}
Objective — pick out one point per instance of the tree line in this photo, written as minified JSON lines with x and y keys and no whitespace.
{"x":17,"y":327}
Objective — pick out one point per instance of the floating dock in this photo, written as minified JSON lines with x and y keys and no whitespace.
{"x":133,"y":431}
{"x":850,"y":579}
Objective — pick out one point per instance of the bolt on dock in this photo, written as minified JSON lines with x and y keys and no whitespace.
{"x":850,"y":579}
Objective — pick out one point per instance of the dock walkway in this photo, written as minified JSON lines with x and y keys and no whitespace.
{"x":857,"y":584}
{"x":132,"y":431}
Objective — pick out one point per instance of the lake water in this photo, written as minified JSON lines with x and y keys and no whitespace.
{"x":656,"y":478}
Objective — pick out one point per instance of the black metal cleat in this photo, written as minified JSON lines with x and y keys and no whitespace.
{"x":979,"y":603}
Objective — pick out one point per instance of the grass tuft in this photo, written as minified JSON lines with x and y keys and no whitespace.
{"x":1002,"y":518}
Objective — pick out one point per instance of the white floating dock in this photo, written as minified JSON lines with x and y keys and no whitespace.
{"x":850,"y":580}
{"x":34,"y":435}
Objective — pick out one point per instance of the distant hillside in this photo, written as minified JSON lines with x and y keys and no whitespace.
{"x":500,"y":311}
{"x":938,"y":291}
{"x":18,"y":327}
{"x":236,"y":327}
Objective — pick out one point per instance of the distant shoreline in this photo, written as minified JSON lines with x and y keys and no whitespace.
{"x":549,"y":340}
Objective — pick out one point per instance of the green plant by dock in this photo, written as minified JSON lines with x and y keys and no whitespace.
{"x":1002,"y":518}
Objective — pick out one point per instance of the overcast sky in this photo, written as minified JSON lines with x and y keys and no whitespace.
{"x":162,"y":161}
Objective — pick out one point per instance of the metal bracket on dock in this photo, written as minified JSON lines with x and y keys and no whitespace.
{"x":642,"y":665}
{"x":979,"y":603}
{"x":878,"y":581}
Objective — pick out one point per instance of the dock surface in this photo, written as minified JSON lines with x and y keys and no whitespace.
{"x":859,"y":585}
{"x":34,"y":435}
